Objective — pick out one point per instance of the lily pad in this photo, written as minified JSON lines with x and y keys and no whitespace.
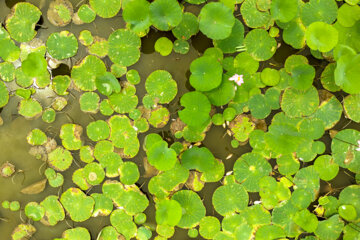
{"x":124,"y":47}
{"x":344,"y":149}
{"x":315,"y":36}
{"x":34,"y":211}
{"x":302,"y":76}
{"x":89,"y":102}
{"x":319,"y":10}
{"x":346,"y":72}
{"x":330,"y":228}
{"x":308,"y":179}
{"x":253,"y":17}
{"x":229,"y":199}
{"x":123,"y":102}
{"x":234,"y":40}
{"x":23,"y":232}
{"x":249,"y":169}
{"x":188,"y":27}
{"x":200,"y":159}
{"x":206,"y":74}
{"x":259,"y":107}
{"x":86,"y":14}
{"x":99,"y":47}
{"x":78,"y":233}
{"x":106,"y":8}
{"x":123,"y":223}
{"x":223,"y":93}
{"x":86,"y":38}
{"x":350,"y":105}
{"x":7,"y":71}
{"x":326,"y":167}
{"x":347,"y":212}
{"x":59,"y":104}
{"x":22,"y":20}
{"x":29,"y":108}
{"x":133,"y":77}
{"x":34,"y":65}
{"x":54,"y":211}
{"x":62,"y":45}
{"x":60,"y":159}
{"x":77,"y":204}
{"x":168,"y":212}
{"x":197,"y":109}
{"x":159,"y":117}
{"x":306,"y":220}
{"x":193,"y":208}
{"x":85,"y":73}
{"x":123,"y":135}
{"x":98,"y":130}
{"x":284,"y":10}
{"x":349,"y":196}
{"x":70,"y":135}
{"x":108,"y":233}
{"x":160,"y":84}
{"x":298,"y":103}
{"x":165,"y":14}
{"x":129,"y":173}
{"x":103,"y":205}
{"x":36,"y":137}
{"x":216,"y":20}
{"x":94,"y":173}
{"x":260,"y":45}
{"x":161,"y":156}
{"x":136,"y":14}
{"x":163,"y":46}
{"x":60,"y":84}
{"x":181,"y":46}
{"x":4,"y":95}
{"x":60,"y":12}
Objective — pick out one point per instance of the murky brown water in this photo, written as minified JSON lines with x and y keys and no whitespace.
{"x":14,"y":148}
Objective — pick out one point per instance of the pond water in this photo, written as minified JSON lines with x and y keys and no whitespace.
{"x":14,"y":147}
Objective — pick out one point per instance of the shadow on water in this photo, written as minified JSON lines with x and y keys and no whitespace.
{"x":200,"y":42}
{"x":11,"y":3}
{"x":148,"y":42}
{"x":62,"y":69}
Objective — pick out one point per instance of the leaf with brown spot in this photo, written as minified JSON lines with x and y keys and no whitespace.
{"x":349,"y":156}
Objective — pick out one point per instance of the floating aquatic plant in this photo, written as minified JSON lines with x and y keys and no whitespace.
{"x":256,"y":136}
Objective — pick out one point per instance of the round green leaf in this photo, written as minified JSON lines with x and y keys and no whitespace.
{"x":105,"y":8}
{"x":321,"y":36}
{"x":249,"y":169}
{"x":193,"y":209}
{"x":206,"y":74}
{"x":326,"y":167}
{"x":98,"y":130}
{"x":229,"y":199}
{"x":77,"y":204}
{"x":216,"y":20}
{"x":284,"y":10}
{"x":85,"y":73}
{"x":188,"y":27}
{"x":260,"y":45}
{"x":160,"y":84}
{"x":165,"y":14}
{"x":124,"y":47}
{"x":61,"y":45}
{"x":168,"y":212}
{"x":22,"y":20}
{"x":298,"y":103}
